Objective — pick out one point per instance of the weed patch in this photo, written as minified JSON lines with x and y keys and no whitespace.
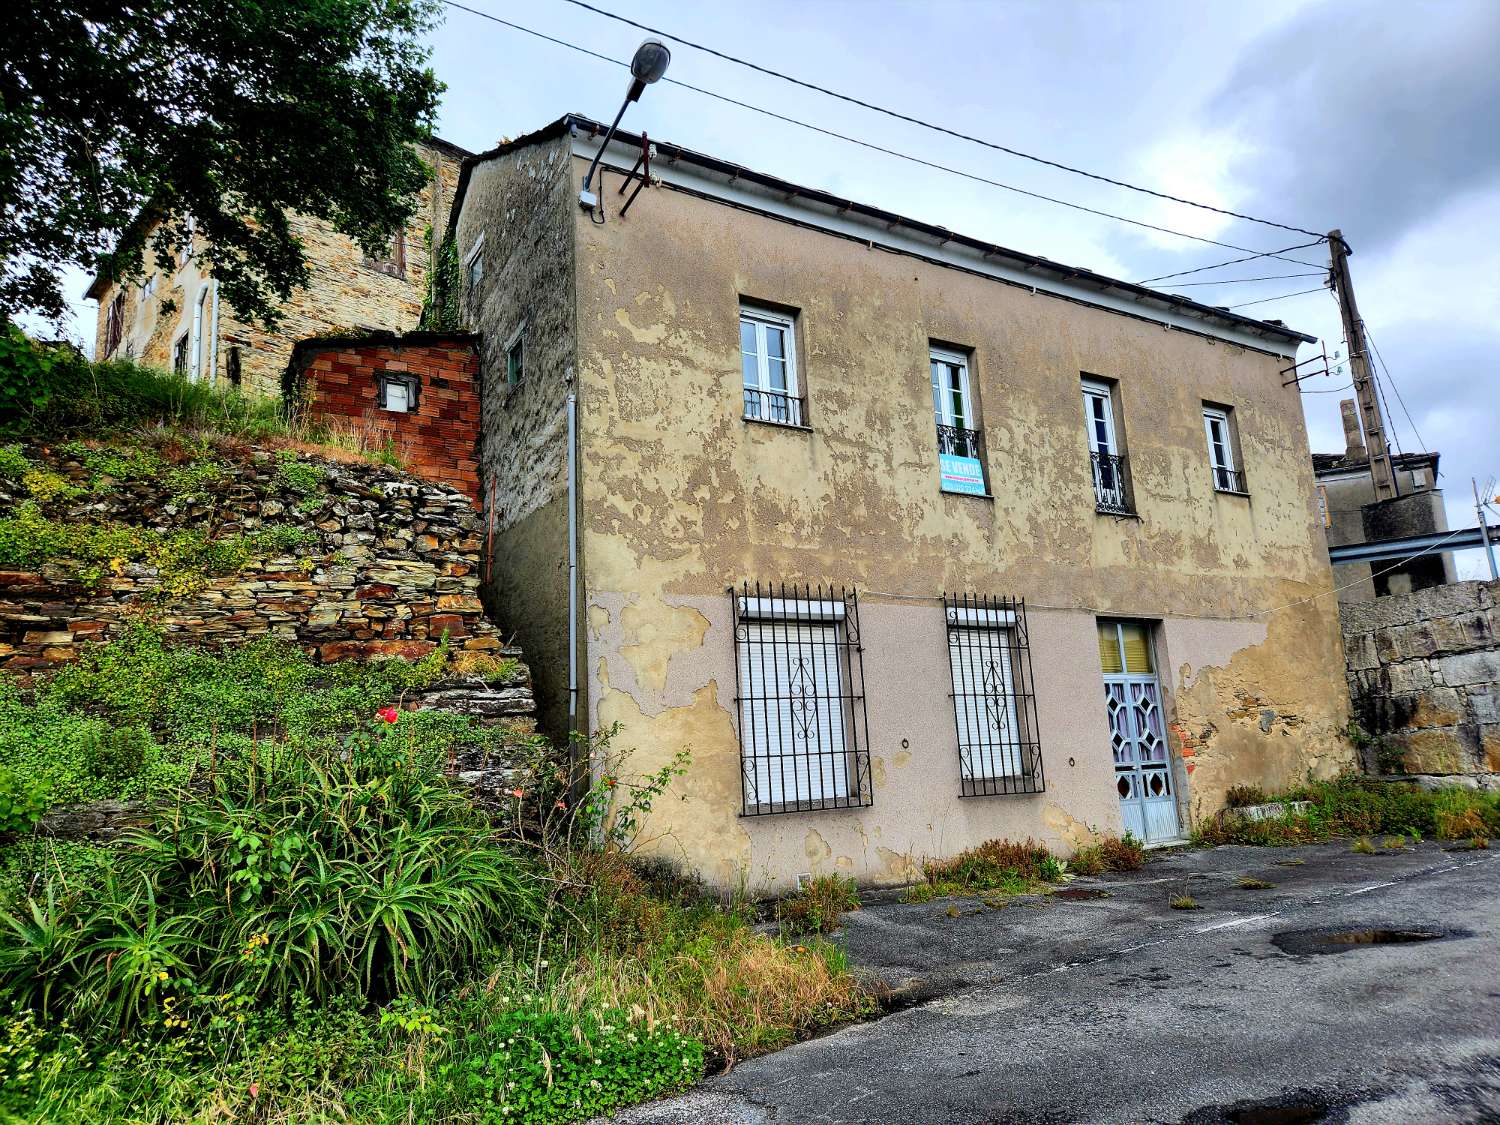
{"x":818,"y":907}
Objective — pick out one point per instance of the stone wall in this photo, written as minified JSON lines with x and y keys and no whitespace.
{"x":345,"y":291}
{"x":1424,"y":677}
{"x":394,"y":566}
{"x":521,"y":203}
{"x":338,"y":379}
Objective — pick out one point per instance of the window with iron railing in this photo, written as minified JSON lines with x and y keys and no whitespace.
{"x":1111,"y":485}
{"x":960,"y":456}
{"x":799,"y":694}
{"x":994,"y":696}
{"x":768,"y":364}
{"x":1218,"y":427}
{"x":1111,"y":482}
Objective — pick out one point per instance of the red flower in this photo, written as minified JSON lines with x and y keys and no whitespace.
{"x":517,"y":794}
{"x":610,"y":783}
{"x":389,"y":714}
{"x":562,"y":804}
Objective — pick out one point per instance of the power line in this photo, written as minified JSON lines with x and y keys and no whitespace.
{"x":929,"y":125}
{"x":1391,"y":379}
{"x":1247,"y":280}
{"x":1283,"y":297}
{"x":1334,"y":391}
{"x":882,"y":149}
{"x":1237,"y":261}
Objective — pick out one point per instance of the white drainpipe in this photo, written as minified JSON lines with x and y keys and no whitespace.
{"x":572,"y":563}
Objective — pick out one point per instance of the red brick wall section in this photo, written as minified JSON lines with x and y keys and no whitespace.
{"x":339,"y":382}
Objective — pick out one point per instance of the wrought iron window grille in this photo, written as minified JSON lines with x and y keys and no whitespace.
{"x":958,"y":442}
{"x":776,"y":407}
{"x":994,"y":696}
{"x":800,"y":698}
{"x":1229,"y":480}
{"x":1111,"y":485}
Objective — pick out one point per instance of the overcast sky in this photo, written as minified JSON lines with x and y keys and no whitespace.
{"x":1382,"y":119}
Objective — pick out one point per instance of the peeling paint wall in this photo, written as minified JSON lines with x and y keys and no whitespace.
{"x":343,"y":293}
{"x":521,"y":206}
{"x":682,"y":498}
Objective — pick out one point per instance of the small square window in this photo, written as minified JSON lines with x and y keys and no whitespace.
{"x":398,"y":393}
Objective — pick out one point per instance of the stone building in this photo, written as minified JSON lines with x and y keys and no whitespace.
{"x":910,"y":540}
{"x":175,"y":319}
{"x":1351,"y":514}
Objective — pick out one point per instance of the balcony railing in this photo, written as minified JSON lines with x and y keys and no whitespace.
{"x":957,"y":441}
{"x":1111,"y":485}
{"x":773,"y":406}
{"x":1229,"y":480}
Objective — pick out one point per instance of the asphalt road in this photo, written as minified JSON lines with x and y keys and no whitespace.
{"x":1120,"y":1009}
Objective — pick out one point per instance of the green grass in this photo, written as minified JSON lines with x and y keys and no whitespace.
{"x":1354,"y":806}
{"x":137,"y":717}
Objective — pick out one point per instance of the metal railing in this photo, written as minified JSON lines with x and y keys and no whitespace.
{"x":958,"y":442}
{"x":1229,"y":480}
{"x":800,"y":695}
{"x":1111,"y":485}
{"x":774,"y":406}
{"x":994,"y":696}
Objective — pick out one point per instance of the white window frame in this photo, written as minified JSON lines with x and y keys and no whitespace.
{"x":761,"y":320}
{"x":1221,"y":461}
{"x":1095,"y":392}
{"x":942,"y":397}
{"x":783,"y":778}
{"x":473,"y":256}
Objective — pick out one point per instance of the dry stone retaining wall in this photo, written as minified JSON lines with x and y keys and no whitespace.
{"x":1424,"y":677}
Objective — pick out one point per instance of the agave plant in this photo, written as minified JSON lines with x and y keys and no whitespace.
{"x":361,"y":871}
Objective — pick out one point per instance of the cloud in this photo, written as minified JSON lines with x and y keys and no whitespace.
{"x":1368,"y":116}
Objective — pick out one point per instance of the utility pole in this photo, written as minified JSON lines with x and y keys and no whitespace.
{"x":1484,"y":530}
{"x":1359,"y":366}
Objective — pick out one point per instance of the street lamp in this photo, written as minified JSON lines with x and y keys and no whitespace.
{"x":648,"y":65}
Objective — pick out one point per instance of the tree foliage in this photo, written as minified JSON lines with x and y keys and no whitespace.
{"x":120,"y":120}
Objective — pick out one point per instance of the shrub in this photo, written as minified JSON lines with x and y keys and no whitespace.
{"x":1109,"y":854}
{"x":549,"y":1067}
{"x":357,"y":871}
{"x":1357,"y":806}
{"x":50,"y":389}
{"x":994,"y":863}
{"x":819,"y":906}
{"x":22,"y":801}
{"x":1243,"y":796}
{"x":137,"y":718}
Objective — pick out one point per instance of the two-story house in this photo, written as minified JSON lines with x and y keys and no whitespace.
{"x":173,"y":317}
{"x":912,"y":541}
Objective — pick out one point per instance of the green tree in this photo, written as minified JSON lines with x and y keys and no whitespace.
{"x":120,"y":119}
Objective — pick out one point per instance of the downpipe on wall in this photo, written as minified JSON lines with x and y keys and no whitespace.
{"x":572,"y":564}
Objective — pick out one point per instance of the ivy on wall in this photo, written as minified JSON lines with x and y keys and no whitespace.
{"x":440,"y":308}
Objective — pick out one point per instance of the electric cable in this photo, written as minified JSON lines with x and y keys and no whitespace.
{"x":890,"y":151}
{"x":1394,"y":387}
{"x":934,"y":127}
{"x":1237,"y":261}
{"x":1283,"y":297}
{"x":1247,"y":280}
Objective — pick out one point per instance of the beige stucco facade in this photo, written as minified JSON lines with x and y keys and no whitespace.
{"x":180,"y":308}
{"x":680,"y":498}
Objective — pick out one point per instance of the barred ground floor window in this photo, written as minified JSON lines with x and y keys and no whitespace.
{"x":800,"y":698}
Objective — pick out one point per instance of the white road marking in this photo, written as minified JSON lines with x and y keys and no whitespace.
{"x":1245,"y":921}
